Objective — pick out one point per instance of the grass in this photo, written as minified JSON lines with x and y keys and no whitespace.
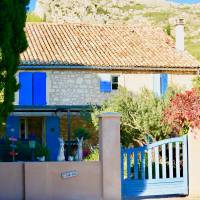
{"x":158,"y":17}
{"x":126,"y":8}
{"x":31,"y":17}
{"x":185,"y":8}
{"x":193,"y":47}
{"x":102,"y":11}
{"x":89,"y":10}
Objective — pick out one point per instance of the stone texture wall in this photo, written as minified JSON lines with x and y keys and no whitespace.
{"x":65,"y":87}
{"x":74,"y":88}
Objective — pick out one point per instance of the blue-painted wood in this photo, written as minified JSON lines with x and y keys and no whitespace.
{"x":177,"y":160}
{"x":143,"y":164}
{"x":163,"y":161}
{"x":157,"y":163}
{"x":142,"y":186}
{"x":135,"y":165}
{"x":12,"y":126}
{"x":185,"y":159}
{"x":128,"y":164}
{"x":39,"y":88}
{"x":163,"y":83}
{"x":122,"y":165}
{"x":170,"y":161}
{"x":26,"y":88}
{"x":105,"y":86}
{"x":150,"y":164}
{"x":52,"y":135}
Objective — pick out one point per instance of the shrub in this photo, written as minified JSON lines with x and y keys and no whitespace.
{"x":184,"y":111}
{"x":82,"y":132}
{"x":23,"y":150}
{"x":141,"y":115}
{"x":40,"y":151}
{"x":94,"y":155}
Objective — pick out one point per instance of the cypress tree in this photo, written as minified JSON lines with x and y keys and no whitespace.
{"x":12,"y":43}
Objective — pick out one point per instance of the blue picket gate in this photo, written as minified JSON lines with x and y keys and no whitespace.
{"x":156,"y":169}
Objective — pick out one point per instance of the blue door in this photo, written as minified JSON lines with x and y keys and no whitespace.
{"x":52,"y":135}
{"x":12,"y":126}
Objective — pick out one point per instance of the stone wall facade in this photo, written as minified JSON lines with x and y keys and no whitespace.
{"x":74,"y":88}
{"x":68,"y":87}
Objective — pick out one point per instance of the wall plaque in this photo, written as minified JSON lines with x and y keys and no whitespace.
{"x":69,"y":174}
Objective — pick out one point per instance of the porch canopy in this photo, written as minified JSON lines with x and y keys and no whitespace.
{"x":131,"y":49}
{"x":51,"y":114}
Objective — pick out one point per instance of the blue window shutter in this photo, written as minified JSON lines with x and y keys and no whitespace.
{"x":12,"y":126}
{"x":156,"y":84}
{"x":163,"y":83}
{"x":52,"y":135}
{"x":39,"y":88}
{"x":105,"y":86}
{"x":26,"y":88}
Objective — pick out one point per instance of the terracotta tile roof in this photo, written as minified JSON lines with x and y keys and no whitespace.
{"x":102,"y":46}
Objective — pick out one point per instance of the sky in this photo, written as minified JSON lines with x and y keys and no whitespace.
{"x":32,"y":3}
{"x":186,"y":1}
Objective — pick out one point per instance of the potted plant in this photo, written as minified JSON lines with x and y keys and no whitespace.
{"x":41,"y":152}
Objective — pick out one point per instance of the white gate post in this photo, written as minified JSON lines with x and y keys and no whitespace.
{"x":110,"y":153}
{"x":194,"y":163}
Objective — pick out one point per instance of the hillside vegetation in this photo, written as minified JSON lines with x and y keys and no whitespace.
{"x":157,"y":12}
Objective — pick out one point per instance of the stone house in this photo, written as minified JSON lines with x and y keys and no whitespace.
{"x":69,"y":67}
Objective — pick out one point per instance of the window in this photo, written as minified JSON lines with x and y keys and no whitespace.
{"x":32,"y":88}
{"x":105,"y":83}
{"x":108,"y":83}
{"x":160,"y":84}
{"x":115,"y":82}
{"x":32,"y":125}
{"x":163,"y":83}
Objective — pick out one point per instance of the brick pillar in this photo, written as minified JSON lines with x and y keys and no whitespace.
{"x":194,"y":163}
{"x":109,"y":141}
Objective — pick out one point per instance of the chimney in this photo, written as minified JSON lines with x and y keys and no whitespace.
{"x":180,"y":34}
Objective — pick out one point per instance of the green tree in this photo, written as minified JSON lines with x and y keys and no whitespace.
{"x":12,"y":43}
{"x":141,"y":115}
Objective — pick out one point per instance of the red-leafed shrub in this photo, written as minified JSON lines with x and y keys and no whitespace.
{"x":184,"y":111}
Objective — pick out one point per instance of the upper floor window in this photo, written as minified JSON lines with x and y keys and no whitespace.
{"x":32,"y":88}
{"x":160,"y":84}
{"x":108,"y":83}
{"x":163,"y":83}
{"x":115,"y":83}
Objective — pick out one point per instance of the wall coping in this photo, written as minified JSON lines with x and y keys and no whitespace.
{"x":109,"y":114}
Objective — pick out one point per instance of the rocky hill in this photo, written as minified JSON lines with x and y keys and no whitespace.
{"x":157,"y":12}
